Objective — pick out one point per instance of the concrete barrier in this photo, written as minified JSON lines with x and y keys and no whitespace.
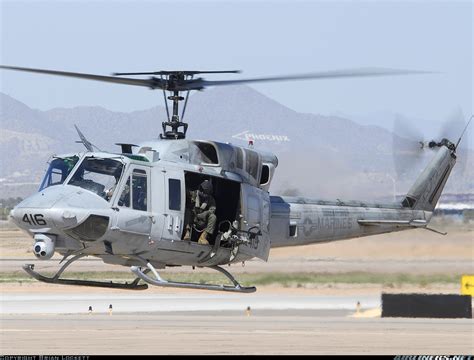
{"x":427,"y":306}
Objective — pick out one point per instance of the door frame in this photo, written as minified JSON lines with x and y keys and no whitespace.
{"x":129,"y":210}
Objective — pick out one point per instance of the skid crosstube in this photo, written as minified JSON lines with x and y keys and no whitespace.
{"x":158,"y":281}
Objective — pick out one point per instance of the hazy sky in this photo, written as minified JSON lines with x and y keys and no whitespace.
{"x":260,"y":38}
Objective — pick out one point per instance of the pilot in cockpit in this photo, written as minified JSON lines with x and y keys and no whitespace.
{"x":202,"y":216}
{"x":110,"y":191}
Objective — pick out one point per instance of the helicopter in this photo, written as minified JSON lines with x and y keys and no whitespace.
{"x":137,"y":207}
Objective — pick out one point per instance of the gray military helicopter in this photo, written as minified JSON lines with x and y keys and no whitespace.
{"x":138,"y":207}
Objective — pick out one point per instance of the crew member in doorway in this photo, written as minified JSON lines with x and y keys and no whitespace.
{"x":203,"y":215}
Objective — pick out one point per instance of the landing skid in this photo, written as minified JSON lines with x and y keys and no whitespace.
{"x":141,"y":275}
{"x":158,"y":281}
{"x":29,"y":268}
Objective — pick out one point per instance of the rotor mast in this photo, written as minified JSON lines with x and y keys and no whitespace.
{"x":175,"y":122}
{"x":177,"y":82}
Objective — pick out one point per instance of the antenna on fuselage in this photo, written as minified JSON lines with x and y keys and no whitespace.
{"x":87,"y":144}
{"x":465,"y":128}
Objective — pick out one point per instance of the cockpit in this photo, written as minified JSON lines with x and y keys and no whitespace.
{"x":99,"y":175}
{"x":58,"y":170}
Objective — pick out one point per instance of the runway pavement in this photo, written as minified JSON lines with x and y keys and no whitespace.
{"x":137,"y":302}
{"x":224,"y":332}
{"x":216,"y":323}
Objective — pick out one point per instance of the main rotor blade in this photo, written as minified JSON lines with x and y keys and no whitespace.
{"x":182,"y":72}
{"x":199,"y":84}
{"x":152,"y":83}
{"x":364,"y":72}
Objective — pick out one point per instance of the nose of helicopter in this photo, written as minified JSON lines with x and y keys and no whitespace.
{"x":56,"y":207}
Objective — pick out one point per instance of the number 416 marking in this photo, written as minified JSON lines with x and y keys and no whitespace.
{"x":36,"y":219}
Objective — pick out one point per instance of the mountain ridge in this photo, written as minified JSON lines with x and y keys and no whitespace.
{"x":345,"y":159}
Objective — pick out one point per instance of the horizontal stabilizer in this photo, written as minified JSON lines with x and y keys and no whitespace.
{"x":408,"y":223}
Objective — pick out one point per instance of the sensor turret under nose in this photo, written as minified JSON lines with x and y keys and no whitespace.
{"x":44,"y":246}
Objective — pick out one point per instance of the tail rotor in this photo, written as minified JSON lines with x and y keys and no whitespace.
{"x":409,"y":145}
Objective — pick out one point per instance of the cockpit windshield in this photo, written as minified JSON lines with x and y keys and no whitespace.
{"x":58,"y":171}
{"x":99,"y":175}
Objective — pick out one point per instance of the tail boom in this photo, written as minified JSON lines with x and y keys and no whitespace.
{"x":301,"y":221}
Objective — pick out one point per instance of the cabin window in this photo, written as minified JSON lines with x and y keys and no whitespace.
{"x":265,"y":177}
{"x":174,"y":188}
{"x":293,"y":231}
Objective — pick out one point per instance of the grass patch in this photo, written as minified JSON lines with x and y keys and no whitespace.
{"x":262,"y":279}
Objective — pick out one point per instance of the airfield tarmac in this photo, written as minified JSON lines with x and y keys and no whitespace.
{"x":281,"y":321}
{"x":41,"y":318}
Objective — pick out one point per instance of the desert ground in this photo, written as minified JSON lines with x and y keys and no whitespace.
{"x":294,"y":311}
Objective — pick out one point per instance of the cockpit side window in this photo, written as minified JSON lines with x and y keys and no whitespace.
{"x":99,"y":175}
{"x":137,"y":194}
{"x":124,"y":199}
{"x":139,"y":190}
{"x":58,"y":171}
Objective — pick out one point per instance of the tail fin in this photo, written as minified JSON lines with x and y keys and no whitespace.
{"x":425,"y":193}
